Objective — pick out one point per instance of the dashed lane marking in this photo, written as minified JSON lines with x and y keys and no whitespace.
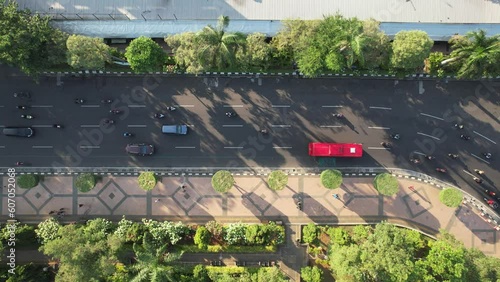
{"x":378,"y":148}
{"x":278,"y":147}
{"x":479,"y":158}
{"x":136,"y":106}
{"x":89,"y":125}
{"x":185,"y":106}
{"x":280,"y":125}
{"x":331,"y":106}
{"x":42,"y":147}
{"x":427,"y":115}
{"x":136,"y":125}
{"x":90,"y":106}
{"x":430,"y":136}
{"x":380,"y":108}
{"x":41,"y":106}
{"x":280,"y":106}
{"x":378,"y":127}
{"x":233,"y":106}
{"x":485,"y":137}
{"x":232,"y":125}
{"x":330,"y":126}
{"x":90,"y":147}
{"x":185,"y":147}
{"x":233,"y":147}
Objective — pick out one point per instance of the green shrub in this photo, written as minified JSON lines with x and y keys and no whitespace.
{"x":27,"y":181}
{"x":147,"y":180}
{"x":339,"y":236}
{"x":331,"y":178}
{"x":311,"y":274}
{"x":451,"y":197}
{"x":202,"y":237}
{"x":277,"y":180}
{"x":310,"y":233}
{"x":85,"y":182}
{"x":386,"y":184}
{"x":222,"y":181}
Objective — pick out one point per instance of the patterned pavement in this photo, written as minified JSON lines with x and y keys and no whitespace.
{"x":250,"y":200}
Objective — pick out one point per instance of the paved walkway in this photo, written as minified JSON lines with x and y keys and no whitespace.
{"x":251,"y":201}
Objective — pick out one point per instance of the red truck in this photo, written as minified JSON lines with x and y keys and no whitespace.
{"x":348,"y":150}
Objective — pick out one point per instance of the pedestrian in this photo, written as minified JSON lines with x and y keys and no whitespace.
{"x":336,"y":196}
{"x":411,"y":188}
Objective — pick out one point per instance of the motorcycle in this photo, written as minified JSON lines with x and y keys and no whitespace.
{"x":338,"y":115}
{"x":395,"y":136}
{"x":22,"y":107}
{"x":430,"y":158}
{"x":465,"y":137}
{"x":110,"y":121}
{"x":79,"y":101}
{"x":115,"y":111}
{"x":171,"y":109}
{"x":159,"y":115}
{"x":415,"y":161}
{"x":230,"y":114}
{"x":127,"y":134}
{"x":442,"y":170}
{"x":19,"y":163}
{"x":386,"y":145}
{"x":453,"y":156}
{"x":459,"y":126}
{"x":106,"y":101}
{"x":263,"y":131}
{"x":57,"y":126}
{"x":27,"y":116}
{"x":487,"y":155}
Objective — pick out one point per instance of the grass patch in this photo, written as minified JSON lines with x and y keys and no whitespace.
{"x":277,"y":180}
{"x":331,"y":178}
{"x":222,"y":181}
{"x":386,"y":184}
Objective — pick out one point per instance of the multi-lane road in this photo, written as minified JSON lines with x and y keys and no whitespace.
{"x":295,"y":112}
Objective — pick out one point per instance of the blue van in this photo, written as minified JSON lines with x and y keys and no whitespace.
{"x":175,"y":129}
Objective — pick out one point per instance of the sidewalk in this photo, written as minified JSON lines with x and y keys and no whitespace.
{"x":251,"y":201}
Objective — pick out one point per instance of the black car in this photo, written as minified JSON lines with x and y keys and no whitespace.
{"x":22,"y":94}
{"x":18,"y":131}
{"x":140,"y":149}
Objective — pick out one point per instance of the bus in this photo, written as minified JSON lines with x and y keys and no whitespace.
{"x":347,"y":150}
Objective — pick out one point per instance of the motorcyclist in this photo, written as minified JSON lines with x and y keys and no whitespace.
{"x":459,"y":126}
{"x":22,"y":107}
{"x":430,"y":157}
{"x":57,"y":126}
{"x":263,"y":131}
{"x":487,"y":155}
{"x":453,"y":156}
{"x":230,"y":114}
{"x":127,"y":134}
{"x":465,"y":137}
{"x":159,"y":115}
{"x":27,"y":116}
{"x":19,"y":163}
{"x":395,"y":136}
{"x":171,"y":108}
{"x":106,"y":101}
{"x":115,"y":111}
{"x":79,"y":101}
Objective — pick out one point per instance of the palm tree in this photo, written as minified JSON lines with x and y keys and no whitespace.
{"x":218,"y":48}
{"x":475,"y":54}
{"x":153,"y":262}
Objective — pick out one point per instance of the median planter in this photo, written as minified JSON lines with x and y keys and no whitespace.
{"x":386,"y":184}
{"x":222,"y":181}
{"x":85,"y":182}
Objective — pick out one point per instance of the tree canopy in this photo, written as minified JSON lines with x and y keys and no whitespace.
{"x":89,"y":53}
{"x":410,"y":49}
{"x":145,"y":55}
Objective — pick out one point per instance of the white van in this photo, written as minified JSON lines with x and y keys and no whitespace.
{"x":175,"y":129}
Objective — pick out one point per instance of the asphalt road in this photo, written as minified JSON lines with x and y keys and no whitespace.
{"x":294,"y":111}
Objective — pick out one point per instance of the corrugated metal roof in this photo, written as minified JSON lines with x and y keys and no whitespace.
{"x":415,"y":11}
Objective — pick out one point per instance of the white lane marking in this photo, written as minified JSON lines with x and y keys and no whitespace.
{"x":233,"y":147}
{"x":185,"y":106}
{"x":89,"y":125}
{"x":2,"y":106}
{"x":190,"y":125}
{"x":479,"y":158}
{"x":378,"y":127}
{"x":381,"y":108}
{"x":280,"y":125}
{"x":42,"y":125}
{"x":90,"y":106}
{"x":484,"y":137}
{"x":136,"y":106}
{"x":233,"y":106}
{"x":185,"y":147}
{"x":329,"y":106}
{"x":328,"y":126}
{"x":420,"y":133}
{"x":136,"y":125}
{"x":277,"y":147}
{"x":378,"y":148}
{"x":232,"y":125}
{"x":469,"y":173}
{"x":90,"y":147}
{"x":2,"y":147}
{"x":427,"y":115}
{"x":41,"y":106}
{"x":280,"y":106}
{"x":419,"y":153}
{"x":42,"y":147}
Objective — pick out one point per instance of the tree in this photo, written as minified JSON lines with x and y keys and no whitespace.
{"x":218,"y":47}
{"x":89,"y":53}
{"x":222,"y":181}
{"x":451,"y":197}
{"x":153,"y":261}
{"x":128,"y":231}
{"x":202,"y":237}
{"x":433,"y":64}
{"x":311,"y":274}
{"x":186,"y":48}
{"x":293,"y":38}
{"x":27,"y":181}
{"x":28,"y":41}
{"x":410,"y":49}
{"x":259,"y":52}
{"x":84,"y":254}
{"x":145,"y":55}
{"x":277,"y":180}
{"x":339,"y":236}
{"x":386,"y":184}
{"x":331,"y":178}
{"x":165,"y":232}
{"x":85,"y":182}
{"x":376,"y":45}
{"x":200,"y":273}
{"x":269,"y":274}
{"x":147,"y":180}
{"x":446,"y":262}
{"x":310,"y":233}
{"x":215,"y":228}
{"x":234,"y":233}
{"x":48,"y":230}
{"x":475,"y":54}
